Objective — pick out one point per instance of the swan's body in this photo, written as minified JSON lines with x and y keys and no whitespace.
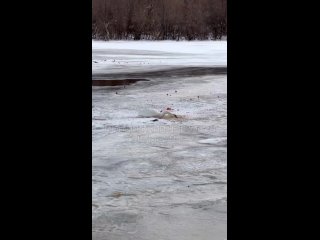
{"x":154,"y":114}
{"x":168,"y":115}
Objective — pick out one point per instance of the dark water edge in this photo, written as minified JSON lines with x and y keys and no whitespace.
{"x":172,"y":72}
{"x":118,"y":82}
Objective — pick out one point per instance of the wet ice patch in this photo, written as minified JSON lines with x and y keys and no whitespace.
{"x":214,"y":141}
{"x":148,"y":113}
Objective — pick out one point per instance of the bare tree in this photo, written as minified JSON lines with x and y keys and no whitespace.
{"x":159,"y":19}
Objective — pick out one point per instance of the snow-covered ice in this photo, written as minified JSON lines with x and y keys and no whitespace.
{"x":164,"y":179}
{"x":130,"y":56}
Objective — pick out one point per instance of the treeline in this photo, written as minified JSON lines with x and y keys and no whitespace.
{"x":159,"y":19}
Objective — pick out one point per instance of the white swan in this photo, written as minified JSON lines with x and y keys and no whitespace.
{"x":147,"y":113}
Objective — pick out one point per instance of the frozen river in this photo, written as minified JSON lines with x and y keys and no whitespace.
{"x":156,"y":178}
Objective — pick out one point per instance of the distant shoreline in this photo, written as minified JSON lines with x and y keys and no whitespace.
{"x":223,"y":38}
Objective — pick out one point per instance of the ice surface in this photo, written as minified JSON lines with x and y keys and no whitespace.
{"x":130,"y":56}
{"x":164,"y":179}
